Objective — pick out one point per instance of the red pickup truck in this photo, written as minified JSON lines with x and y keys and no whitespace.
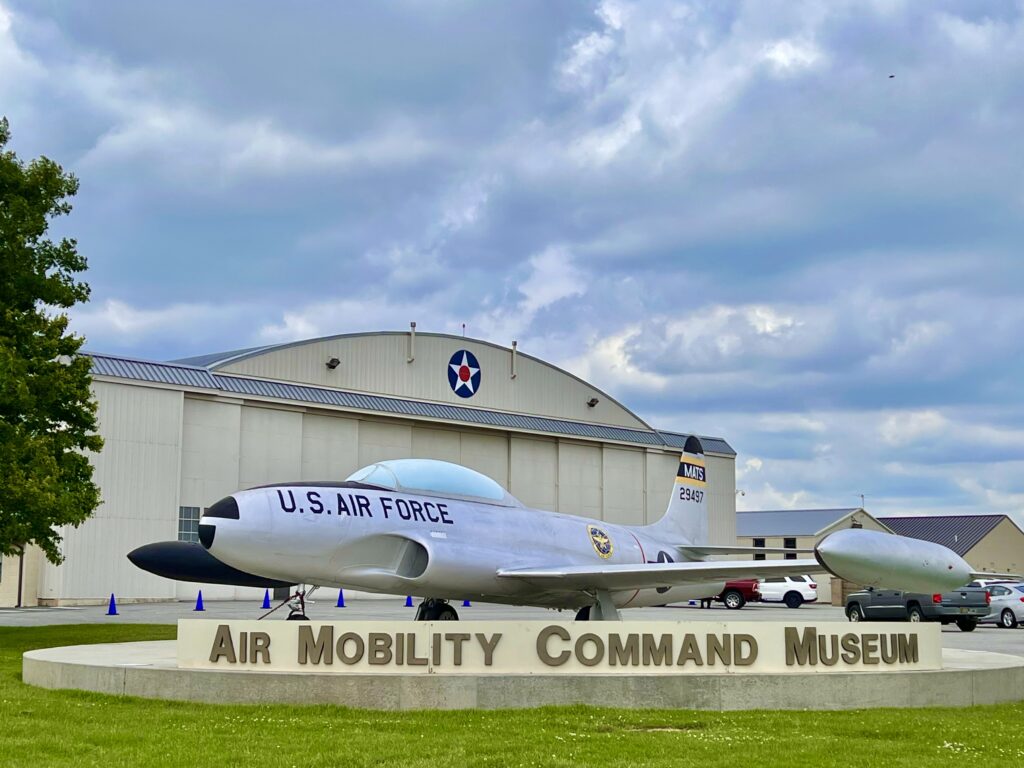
{"x":740,"y":592}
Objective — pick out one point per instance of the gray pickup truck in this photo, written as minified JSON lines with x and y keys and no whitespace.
{"x":964,"y":606}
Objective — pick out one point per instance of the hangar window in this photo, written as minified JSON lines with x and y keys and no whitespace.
{"x":430,"y":477}
{"x":188,"y":523}
{"x":790,"y":544}
{"x":759,"y":543}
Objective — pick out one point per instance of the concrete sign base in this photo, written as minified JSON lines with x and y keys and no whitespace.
{"x":151,"y":670}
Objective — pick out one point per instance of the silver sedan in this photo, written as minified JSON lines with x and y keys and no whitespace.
{"x":1007,"y":607}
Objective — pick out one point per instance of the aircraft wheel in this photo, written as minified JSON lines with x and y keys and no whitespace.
{"x":733,"y":599}
{"x":297,"y":617}
{"x":445,"y":612}
{"x":436,"y":610}
{"x":583,"y":614}
{"x":967,"y":625}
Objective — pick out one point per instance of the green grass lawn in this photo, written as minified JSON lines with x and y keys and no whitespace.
{"x":42,"y":728}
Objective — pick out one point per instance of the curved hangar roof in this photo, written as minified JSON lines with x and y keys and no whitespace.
{"x":434,"y":376}
{"x":395,"y":363}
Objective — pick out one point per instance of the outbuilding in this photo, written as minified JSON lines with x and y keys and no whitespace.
{"x":180,"y":435}
{"x":993,"y":543}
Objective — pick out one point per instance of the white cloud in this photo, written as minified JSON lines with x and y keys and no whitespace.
{"x":913,"y":426}
{"x":578,"y":70}
{"x":553,"y":277}
{"x":607,"y":363}
{"x":115,"y":323}
{"x":790,"y":422}
{"x":790,"y":55}
{"x":219,"y":149}
{"x":768,"y":496}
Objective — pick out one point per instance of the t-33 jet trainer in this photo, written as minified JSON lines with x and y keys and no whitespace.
{"x":444,"y":532}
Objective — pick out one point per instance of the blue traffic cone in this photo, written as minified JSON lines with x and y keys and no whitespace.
{"x":465,"y":603}
{"x":341,"y":598}
{"x":408,"y":601}
{"x":112,"y":609}
{"x":266,"y":599}
{"x":199,"y":602}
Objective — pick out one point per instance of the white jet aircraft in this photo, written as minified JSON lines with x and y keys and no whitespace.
{"x":443,"y":532}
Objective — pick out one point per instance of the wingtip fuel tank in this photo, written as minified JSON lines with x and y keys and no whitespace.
{"x":878,"y":559}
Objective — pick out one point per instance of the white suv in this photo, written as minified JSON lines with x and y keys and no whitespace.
{"x":794,"y":591}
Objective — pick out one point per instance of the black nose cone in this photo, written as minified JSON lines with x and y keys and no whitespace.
{"x":226,"y":508}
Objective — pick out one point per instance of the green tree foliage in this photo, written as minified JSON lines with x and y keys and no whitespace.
{"x":47,"y":415}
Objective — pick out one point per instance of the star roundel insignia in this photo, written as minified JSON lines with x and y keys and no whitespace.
{"x":464,"y":373}
{"x":602,"y":541}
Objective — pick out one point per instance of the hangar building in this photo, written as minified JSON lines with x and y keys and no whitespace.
{"x":993,"y":543}
{"x":180,"y":435}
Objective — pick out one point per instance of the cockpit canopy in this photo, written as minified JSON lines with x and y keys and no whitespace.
{"x":431,"y":477}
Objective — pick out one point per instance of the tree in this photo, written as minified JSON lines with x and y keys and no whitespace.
{"x":47,"y":414}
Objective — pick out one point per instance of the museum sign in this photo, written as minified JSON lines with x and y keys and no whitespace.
{"x":545,"y":647}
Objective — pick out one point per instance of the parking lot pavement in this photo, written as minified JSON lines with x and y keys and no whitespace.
{"x":984,"y":638}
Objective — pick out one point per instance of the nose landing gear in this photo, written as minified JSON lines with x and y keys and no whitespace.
{"x":436,"y":609}
{"x":296,"y":605}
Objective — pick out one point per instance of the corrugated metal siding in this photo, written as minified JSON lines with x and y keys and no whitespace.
{"x":721,"y":500}
{"x":958,"y":532}
{"x":190,"y":376}
{"x":788,"y":522}
{"x":710,"y":444}
{"x":162,"y":373}
{"x":381,"y":404}
{"x":137,"y":472}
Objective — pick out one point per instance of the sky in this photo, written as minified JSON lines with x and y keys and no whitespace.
{"x":795,"y":225}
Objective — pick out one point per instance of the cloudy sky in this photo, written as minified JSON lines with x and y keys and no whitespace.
{"x":795,"y":225}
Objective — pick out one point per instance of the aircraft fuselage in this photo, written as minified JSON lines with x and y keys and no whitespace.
{"x":359,"y":537}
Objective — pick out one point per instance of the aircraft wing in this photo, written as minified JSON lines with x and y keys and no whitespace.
{"x":647,"y":575}
{"x":703,"y":550}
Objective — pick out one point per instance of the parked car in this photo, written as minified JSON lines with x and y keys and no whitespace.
{"x":794,"y":591}
{"x":1007,"y":607}
{"x":964,"y":606}
{"x":738,"y":593}
{"x":989,"y":582}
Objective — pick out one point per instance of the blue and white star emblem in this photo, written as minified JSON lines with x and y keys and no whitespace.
{"x":464,"y":373}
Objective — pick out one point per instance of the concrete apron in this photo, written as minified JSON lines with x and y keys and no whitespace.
{"x":150,"y":670}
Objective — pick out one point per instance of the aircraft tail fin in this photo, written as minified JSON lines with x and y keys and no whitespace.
{"x":687,"y":513}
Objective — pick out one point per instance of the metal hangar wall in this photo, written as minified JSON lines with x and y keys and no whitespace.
{"x":181,"y":435}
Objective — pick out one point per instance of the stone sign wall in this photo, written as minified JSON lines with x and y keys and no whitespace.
{"x":540,"y":647}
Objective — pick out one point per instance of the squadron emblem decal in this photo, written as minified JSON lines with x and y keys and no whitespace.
{"x":601,"y":541}
{"x":464,"y":373}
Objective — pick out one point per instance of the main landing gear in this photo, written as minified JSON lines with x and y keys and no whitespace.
{"x":603,"y":609}
{"x":436,"y":609}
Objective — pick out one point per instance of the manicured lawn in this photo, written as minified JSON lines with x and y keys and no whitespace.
{"x":42,"y":728}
